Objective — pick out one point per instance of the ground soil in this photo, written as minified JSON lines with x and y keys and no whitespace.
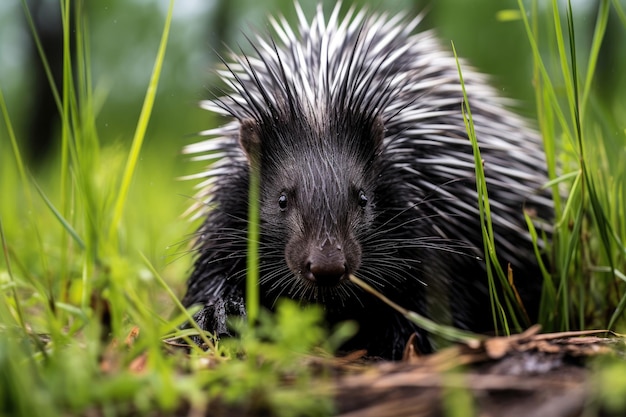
{"x":526,"y":375}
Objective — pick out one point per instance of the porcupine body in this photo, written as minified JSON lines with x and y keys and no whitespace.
{"x":366,"y":169}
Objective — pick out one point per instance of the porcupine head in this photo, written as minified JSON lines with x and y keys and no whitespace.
{"x":317,"y":170}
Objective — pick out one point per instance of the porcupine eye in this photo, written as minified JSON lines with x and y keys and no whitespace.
{"x":362,"y":199}
{"x":282,"y":202}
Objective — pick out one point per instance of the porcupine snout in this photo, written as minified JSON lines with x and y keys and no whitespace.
{"x":326,"y":265}
{"x":325,"y":262}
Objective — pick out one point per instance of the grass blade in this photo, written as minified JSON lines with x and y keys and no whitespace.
{"x":42,"y":56}
{"x":252,"y":257}
{"x":598,"y":37}
{"x":7,"y":260}
{"x":447,"y":332}
{"x":547,"y":83}
{"x":142,"y":125}
{"x":14,"y":145}
{"x":66,"y":225}
{"x":506,"y":309}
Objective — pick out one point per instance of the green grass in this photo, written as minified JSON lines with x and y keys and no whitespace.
{"x":84,"y":262}
{"x":588,"y":253}
{"x":84,"y":266}
{"x":504,"y":308}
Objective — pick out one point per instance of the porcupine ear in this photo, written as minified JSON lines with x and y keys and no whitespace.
{"x":250,"y":140}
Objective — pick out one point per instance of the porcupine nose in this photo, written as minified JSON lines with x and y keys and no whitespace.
{"x":326,"y":266}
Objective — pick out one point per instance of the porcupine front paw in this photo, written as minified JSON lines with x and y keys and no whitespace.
{"x":213,"y":317}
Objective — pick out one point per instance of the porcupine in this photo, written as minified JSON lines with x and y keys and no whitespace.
{"x":366,"y":169}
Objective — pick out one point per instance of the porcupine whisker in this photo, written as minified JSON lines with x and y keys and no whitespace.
{"x":407,"y":222}
{"x":302,"y":291}
{"x":279,"y":280}
{"x":274,"y":272}
{"x":381,"y":278}
{"x":347,"y":292}
{"x":379,"y":232}
{"x":426,"y":199}
{"x":443,"y":246}
{"x":178,"y":255}
{"x":284,"y":287}
{"x":389,"y":262}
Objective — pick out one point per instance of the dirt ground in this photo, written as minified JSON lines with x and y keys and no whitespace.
{"x":525,"y":375}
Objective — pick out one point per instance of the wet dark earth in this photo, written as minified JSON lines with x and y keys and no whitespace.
{"x":526,"y":375}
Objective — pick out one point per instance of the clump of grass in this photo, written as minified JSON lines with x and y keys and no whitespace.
{"x":584,"y":280}
{"x":271,"y":372}
{"x":70,"y":289}
{"x":588,"y":254}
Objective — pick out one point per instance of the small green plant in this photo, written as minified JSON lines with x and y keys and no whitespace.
{"x":268,"y":366}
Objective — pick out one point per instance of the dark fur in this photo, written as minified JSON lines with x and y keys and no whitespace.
{"x":373,"y":176}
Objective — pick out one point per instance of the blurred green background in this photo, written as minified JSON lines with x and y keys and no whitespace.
{"x":124,"y":36}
